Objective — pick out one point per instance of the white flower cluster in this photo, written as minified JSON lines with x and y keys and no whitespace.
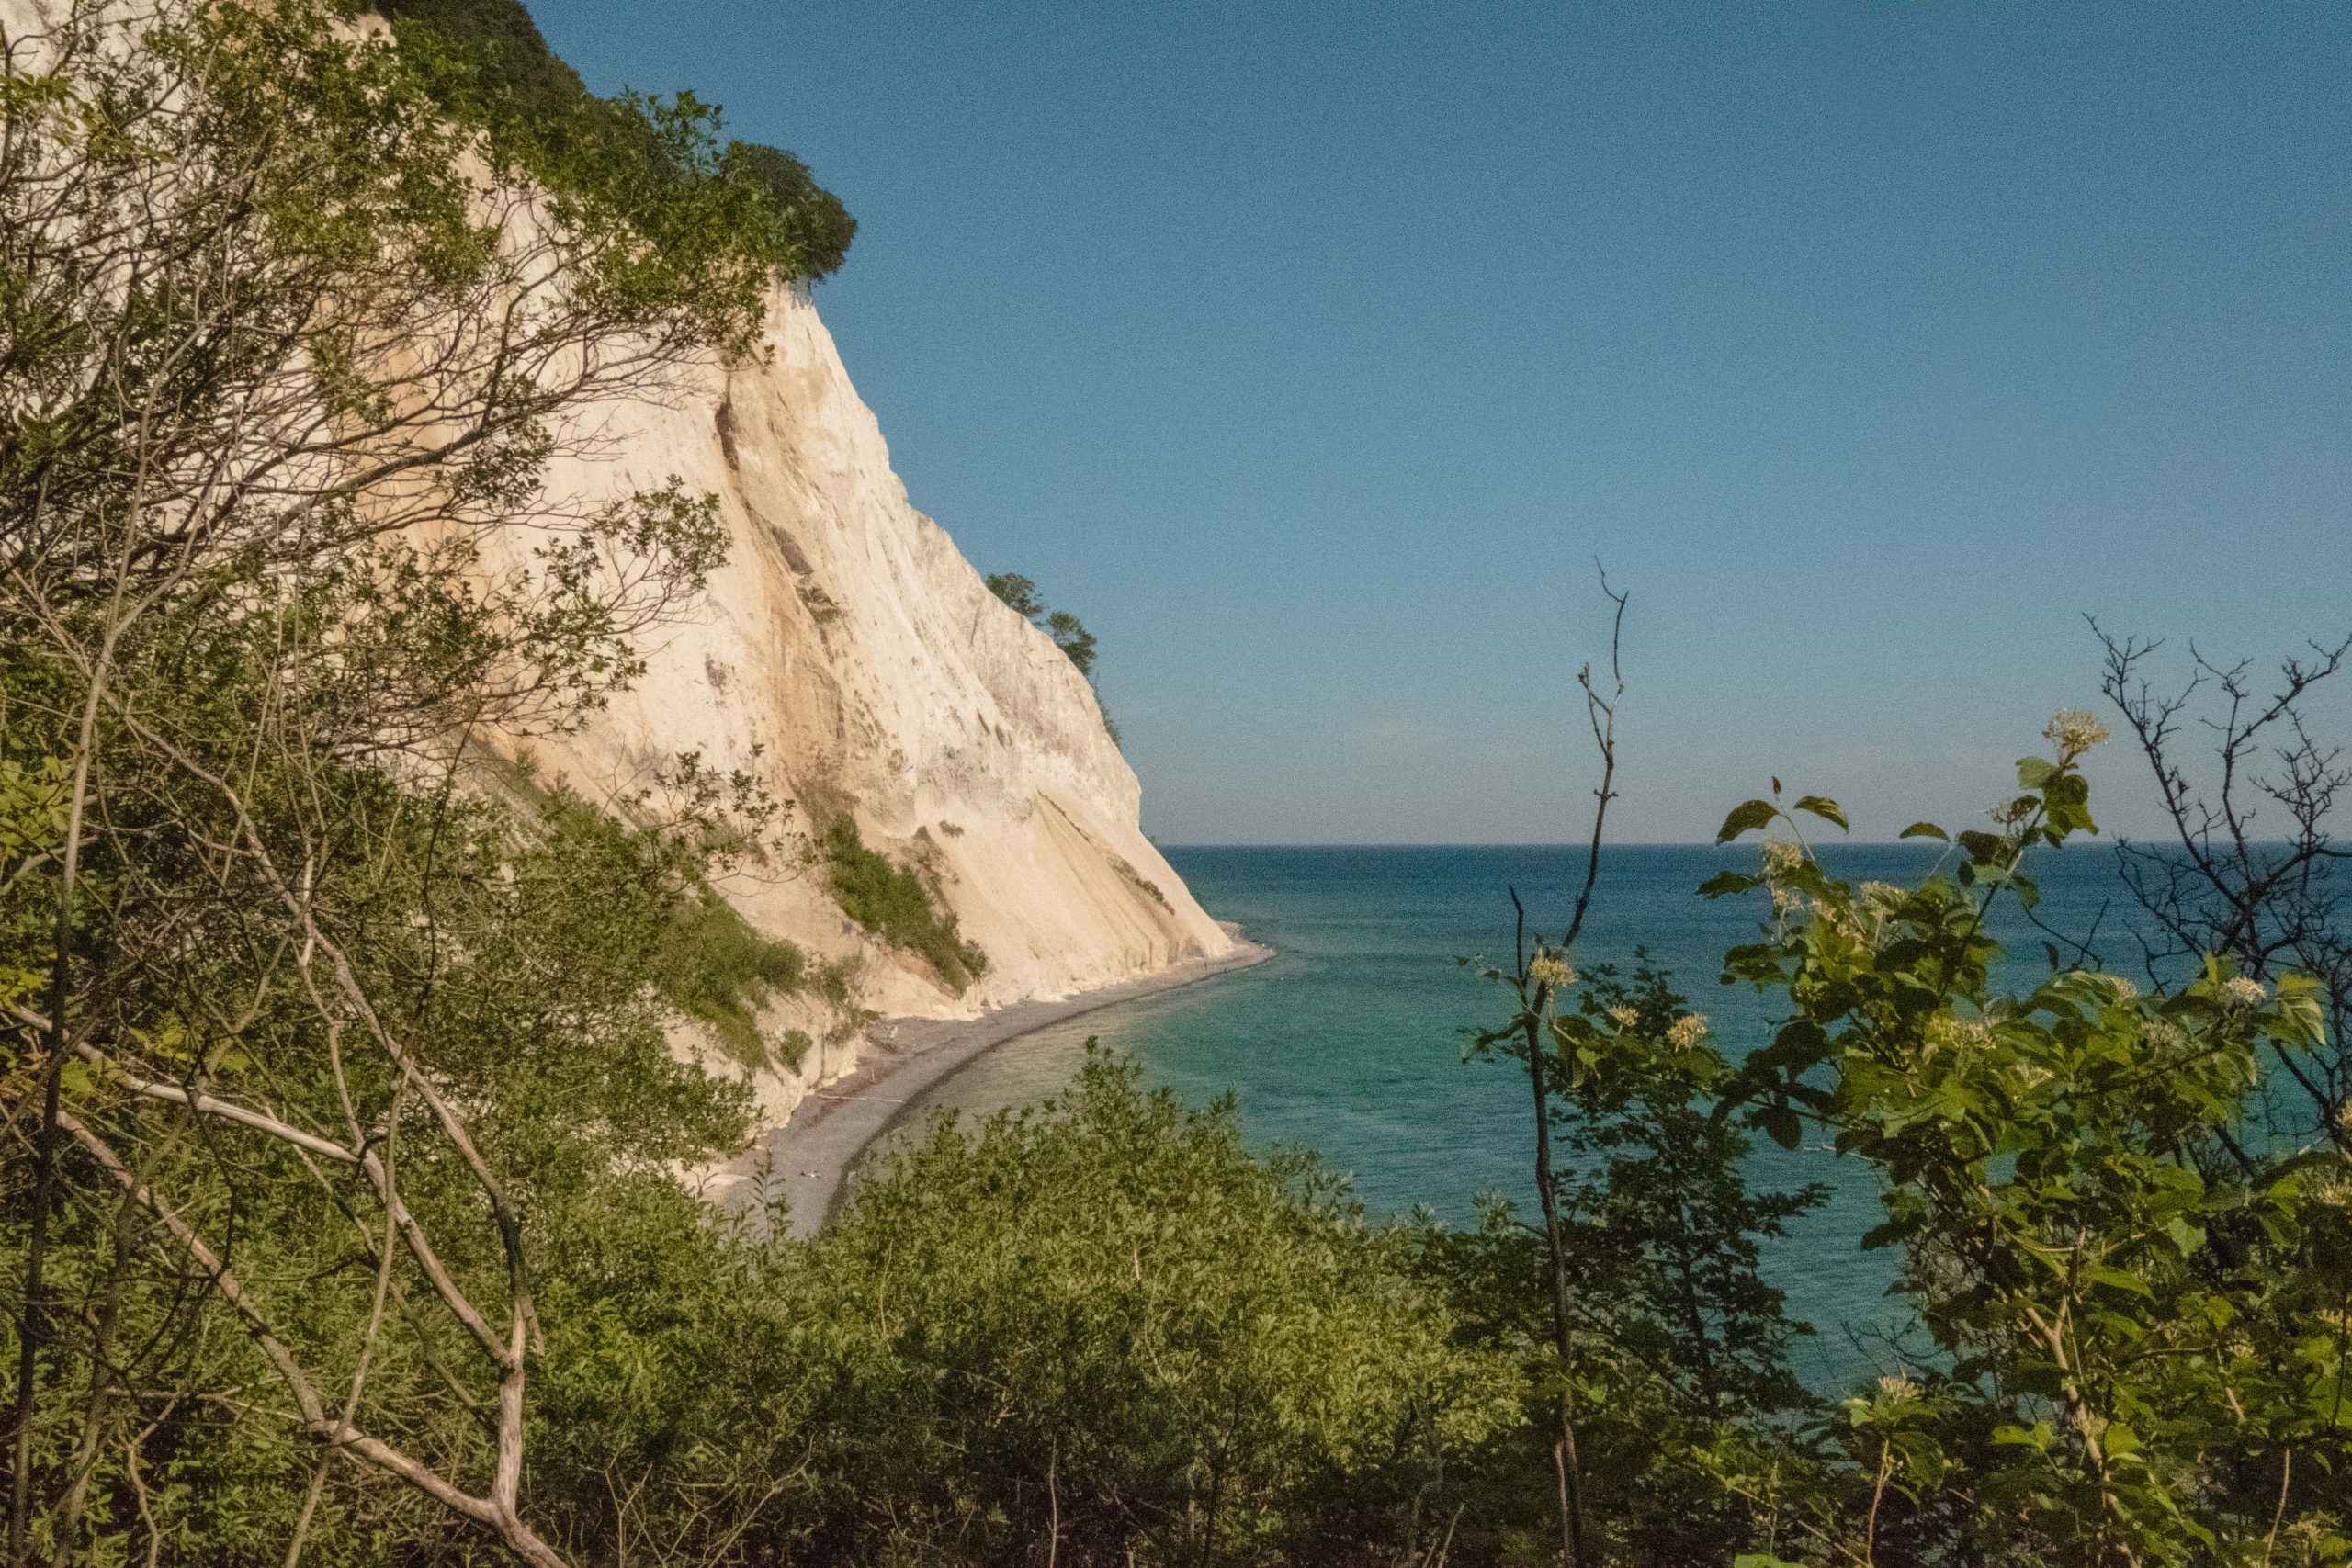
{"x":1624,"y":1017}
{"x":1782,"y":856}
{"x":1898,"y":1390}
{"x":2245,"y":992}
{"x":1688,"y":1030}
{"x":1946,"y":1032}
{"x":2125,"y":991}
{"x":1551,"y":970}
{"x":2075,"y":731}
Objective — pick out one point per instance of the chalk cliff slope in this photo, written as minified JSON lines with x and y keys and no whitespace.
{"x":849,"y":655}
{"x":850,"y":658}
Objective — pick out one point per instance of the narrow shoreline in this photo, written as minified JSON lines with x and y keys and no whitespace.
{"x":810,"y":1157}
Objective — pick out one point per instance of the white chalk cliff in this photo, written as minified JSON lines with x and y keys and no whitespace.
{"x":851,"y":657}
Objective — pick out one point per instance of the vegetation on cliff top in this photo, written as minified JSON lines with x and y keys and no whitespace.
{"x":658,"y":163}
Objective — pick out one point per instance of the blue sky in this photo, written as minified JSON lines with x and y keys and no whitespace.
{"x":1312,"y":353}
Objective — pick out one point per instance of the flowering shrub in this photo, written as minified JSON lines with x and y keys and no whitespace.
{"x":2131,"y":1298}
{"x":2136,"y":1300}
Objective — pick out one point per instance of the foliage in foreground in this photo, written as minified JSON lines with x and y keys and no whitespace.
{"x":341,"y":1220}
{"x":309,"y":1055}
{"x":2129,"y":1293}
{"x":1106,"y":1329}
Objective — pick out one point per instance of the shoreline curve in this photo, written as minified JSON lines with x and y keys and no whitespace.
{"x":811,"y":1156}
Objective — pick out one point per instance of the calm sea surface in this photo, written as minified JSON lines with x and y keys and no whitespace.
{"x":1349,"y":1040}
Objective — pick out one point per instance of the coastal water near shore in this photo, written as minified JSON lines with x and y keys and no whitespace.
{"x":1349,"y":1040}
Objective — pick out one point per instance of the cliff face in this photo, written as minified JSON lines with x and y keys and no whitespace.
{"x":849,"y":657}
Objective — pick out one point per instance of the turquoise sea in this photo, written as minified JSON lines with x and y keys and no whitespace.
{"x":1349,"y":1040}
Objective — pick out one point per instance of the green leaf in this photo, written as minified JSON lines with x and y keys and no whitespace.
{"x":1984,"y":848}
{"x":2068,"y":803}
{"x":2118,"y":1279}
{"x":1925,"y":830}
{"x":1746,"y":815}
{"x":2296,"y":1013}
{"x":1821,"y":806}
{"x":2035,"y":771}
{"x":1780,"y":1124}
{"x":1725,"y":882}
{"x":1888,"y":1234}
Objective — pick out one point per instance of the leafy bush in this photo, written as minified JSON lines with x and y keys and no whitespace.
{"x":812,"y":223}
{"x":892,"y":902}
{"x":1099,"y":1331}
{"x":1105,"y":1331}
{"x":656,"y":164}
{"x":717,"y":967}
{"x":2125,"y":1276}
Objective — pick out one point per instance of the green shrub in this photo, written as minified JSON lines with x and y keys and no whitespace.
{"x":810,"y":220}
{"x":1069,"y":635}
{"x":892,"y":902}
{"x":718,"y":969}
{"x":1017,"y":592}
{"x":506,"y":47}
{"x":1103,"y":1331}
{"x":658,"y":165}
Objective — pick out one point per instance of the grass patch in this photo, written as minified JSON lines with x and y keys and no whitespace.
{"x":1132,"y":874}
{"x":893,"y":902}
{"x":718,"y":969}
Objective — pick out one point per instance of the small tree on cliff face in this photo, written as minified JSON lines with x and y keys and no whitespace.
{"x":283,"y":372}
{"x":1069,"y":633}
{"x":1075,"y":641}
{"x":1019,"y":594}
